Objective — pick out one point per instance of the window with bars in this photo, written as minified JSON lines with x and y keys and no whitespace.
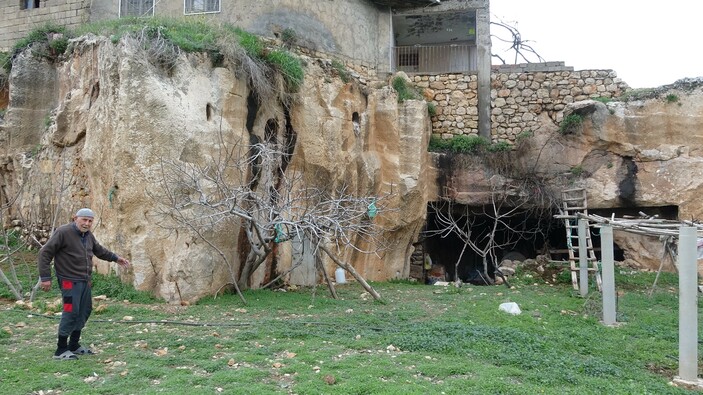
{"x":29,"y":4}
{"x":201,"y":6}
{"x":136,"y":8}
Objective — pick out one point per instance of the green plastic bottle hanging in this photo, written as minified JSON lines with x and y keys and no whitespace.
{"x":372,"y":210}
{"x":280,"y":235}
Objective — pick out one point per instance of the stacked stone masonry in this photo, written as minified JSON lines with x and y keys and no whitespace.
{"x":518,"y":97}
{"x":16,"y":22}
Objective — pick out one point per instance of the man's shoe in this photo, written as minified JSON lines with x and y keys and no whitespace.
{"x":82,"y":351}
{"x":65,"y":355}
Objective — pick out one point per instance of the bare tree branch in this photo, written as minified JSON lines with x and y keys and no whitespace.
{"x":520,"y":47}
{"x":245,"y":186}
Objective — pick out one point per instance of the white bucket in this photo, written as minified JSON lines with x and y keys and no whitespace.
{"x":339,"y":276}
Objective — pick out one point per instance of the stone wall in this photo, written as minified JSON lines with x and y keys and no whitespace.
{"x":16,"y":22}
{"x":519,"y":94}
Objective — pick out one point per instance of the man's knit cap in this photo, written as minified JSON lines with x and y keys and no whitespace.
{"x":85,"y":212}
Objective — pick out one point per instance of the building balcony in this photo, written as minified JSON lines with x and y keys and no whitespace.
{"x":435,"y":59}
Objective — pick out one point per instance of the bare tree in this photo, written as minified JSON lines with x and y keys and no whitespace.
{"x":487,"y":231}
{"x":516,"y":197}
{"x":22,"y":231}
{"x":522,"y":48}
{"x":249,"y":186}
{"x":11,"y":244}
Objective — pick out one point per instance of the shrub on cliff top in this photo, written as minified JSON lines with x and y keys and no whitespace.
{"x":341,"y":70}
{"x":466,"y":144}
{"x":500,"y":146}
{"x":570,"y":123}
{"x":463,"y":144}
{"x":404,"y":89}
{"x":437,"y":143}
{"x":6,"y":64}
{"x":188,"y":35}
{"x":49,"y":41}
{"x":289,"y":66}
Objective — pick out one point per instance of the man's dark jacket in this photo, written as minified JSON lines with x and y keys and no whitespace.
{"x":72,"y":252}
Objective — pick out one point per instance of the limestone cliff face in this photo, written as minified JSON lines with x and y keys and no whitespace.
{"x":99,"y":126}
{"x":96,"y":129}
{"x":641,"y":154}
{"x":645,"y":153}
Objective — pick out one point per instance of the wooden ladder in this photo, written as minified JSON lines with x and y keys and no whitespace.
{"x":574,"y":201}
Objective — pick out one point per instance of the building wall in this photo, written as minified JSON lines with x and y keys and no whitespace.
{"x":482,"y":86}
{"x":352,"y":28}
{"x":356,"y":29}
{"x":15,"y":22}
{"x":519,"y":94}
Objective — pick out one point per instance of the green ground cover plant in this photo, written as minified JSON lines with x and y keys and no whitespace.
{"x":163,"y":38}
{"x":423,"y":340}
{"x":466,"y":144}
{"x":570,"y":124}
{"x":341,"y":70}
{"x":405,"y":89}
{"x":672,"y":98}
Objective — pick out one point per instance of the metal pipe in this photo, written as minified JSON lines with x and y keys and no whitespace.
{"x":608,"y":262}
{"x":688,"y":304}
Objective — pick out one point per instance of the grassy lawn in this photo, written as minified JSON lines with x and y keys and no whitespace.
{"x":424,"y":340}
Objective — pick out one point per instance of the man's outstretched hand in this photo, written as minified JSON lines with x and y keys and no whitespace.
{"x":123,"y":262}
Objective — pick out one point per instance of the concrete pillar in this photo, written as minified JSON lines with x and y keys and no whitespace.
{"x":608,"y":262}
{"x":583,"y":258}
{"x":688,"y":304}
{"x":483,"y":62}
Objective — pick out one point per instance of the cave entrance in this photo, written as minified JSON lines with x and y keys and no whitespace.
{"x":517,"y":237}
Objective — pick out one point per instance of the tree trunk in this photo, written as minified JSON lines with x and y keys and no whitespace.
{"x":353,"y":272}
{"x":330,"y":285}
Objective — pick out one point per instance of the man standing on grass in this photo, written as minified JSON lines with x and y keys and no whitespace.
{"x":72,"y":247}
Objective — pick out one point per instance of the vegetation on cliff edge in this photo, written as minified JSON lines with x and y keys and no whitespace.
{"x":164,"y":38}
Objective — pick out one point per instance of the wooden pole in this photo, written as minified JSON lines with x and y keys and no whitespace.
{"x":583,"y":259}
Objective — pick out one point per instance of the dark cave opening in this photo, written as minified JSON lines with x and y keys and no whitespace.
{"x":537,"y":237}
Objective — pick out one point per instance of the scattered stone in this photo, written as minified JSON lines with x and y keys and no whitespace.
{"x":161,"y":352}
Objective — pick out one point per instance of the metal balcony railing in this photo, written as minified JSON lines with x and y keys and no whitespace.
{"x":435,"y":59}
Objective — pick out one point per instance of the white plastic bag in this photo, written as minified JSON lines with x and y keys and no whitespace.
{"x":510,"y":308}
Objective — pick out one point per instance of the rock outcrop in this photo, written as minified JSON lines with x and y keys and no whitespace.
{"x":630,"y":156}
{"x":95,"y":130}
